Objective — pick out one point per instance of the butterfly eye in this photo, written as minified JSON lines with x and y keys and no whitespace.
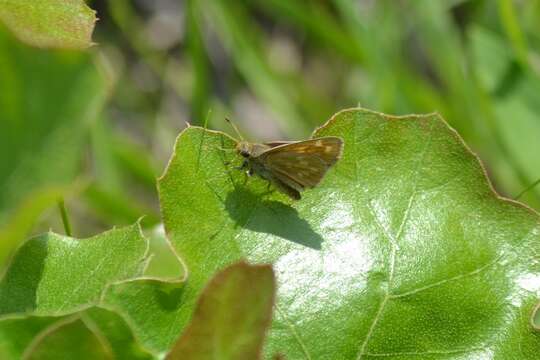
{"x":244,"y":153}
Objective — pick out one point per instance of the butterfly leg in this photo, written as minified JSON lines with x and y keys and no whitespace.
{"x":243,"y":166}
{"x":230,"y":162}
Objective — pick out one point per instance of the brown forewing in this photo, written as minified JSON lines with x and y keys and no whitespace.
{"x":303,"y":163}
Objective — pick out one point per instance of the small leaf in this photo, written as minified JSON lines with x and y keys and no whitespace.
{"x":231,"y":316}
{"x":150,"y":307}
{"x":53,"y":275}
{"x":68,"y":339}
{"x":64,"y":24}
{"x":150,"y":303}
{"x":115,"y":332}
{"x":18,"y":333}
{"x":32,"y":336}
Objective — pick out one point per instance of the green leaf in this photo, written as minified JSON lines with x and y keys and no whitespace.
{"x":37,"y":337}
{"x":53,"y":275}
{"x":404,"y":250}
{"x":17,"y":334}
{"x":150,"y":306}
{"x":64,"y":24}
{"x":115,"y":333}
{"x":52,"y":296}
{"x":163,"y":263}
{"x":150,"y":303}
{"x":47,"y":101}
{"x":231,"y":317}
{"x":68,"y":339}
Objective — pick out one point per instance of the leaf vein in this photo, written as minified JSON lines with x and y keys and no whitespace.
{"x":394,"y":244}
{"x":82,"y":283}
{"x":430,"y":352}
{"x":444,"y":281}
{"x":295,"y":334}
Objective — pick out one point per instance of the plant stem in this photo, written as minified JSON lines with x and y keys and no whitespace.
{"x":65,"y":219}
{"x":527,"y":189}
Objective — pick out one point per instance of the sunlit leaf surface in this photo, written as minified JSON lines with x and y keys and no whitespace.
{"x":403,"y":251}
{"x":52,"y":275}
{"x":51,"y":296}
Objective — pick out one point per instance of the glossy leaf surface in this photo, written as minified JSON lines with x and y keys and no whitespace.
{"x":404,"y":250}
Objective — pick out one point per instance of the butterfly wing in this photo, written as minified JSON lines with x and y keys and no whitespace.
{"x":303,"y":164}
{"x":291,"y":188}
{"x":274,"y":144}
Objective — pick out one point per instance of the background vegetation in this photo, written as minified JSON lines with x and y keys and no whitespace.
{"x":84,"y":133}
{"x":278,"y":68}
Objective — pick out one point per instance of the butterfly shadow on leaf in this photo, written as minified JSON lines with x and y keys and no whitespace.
{"x":169,"y":296}
{"x":252,"y":212}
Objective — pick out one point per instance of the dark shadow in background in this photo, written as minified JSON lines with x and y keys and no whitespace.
{"x":249,"y":211}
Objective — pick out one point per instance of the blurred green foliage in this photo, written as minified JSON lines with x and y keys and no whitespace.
{"x":48,"y":101}
{"x":279,"y":68}
{"x":101,"y":123}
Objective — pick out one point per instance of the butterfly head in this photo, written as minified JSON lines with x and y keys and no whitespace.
{"x":244,"y":148}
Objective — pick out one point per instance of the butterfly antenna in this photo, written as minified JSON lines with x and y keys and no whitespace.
{"x":202,"y":137}
{"x":235,"y":128}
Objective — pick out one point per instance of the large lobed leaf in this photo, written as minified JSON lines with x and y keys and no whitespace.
{"x":404,"y":251}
